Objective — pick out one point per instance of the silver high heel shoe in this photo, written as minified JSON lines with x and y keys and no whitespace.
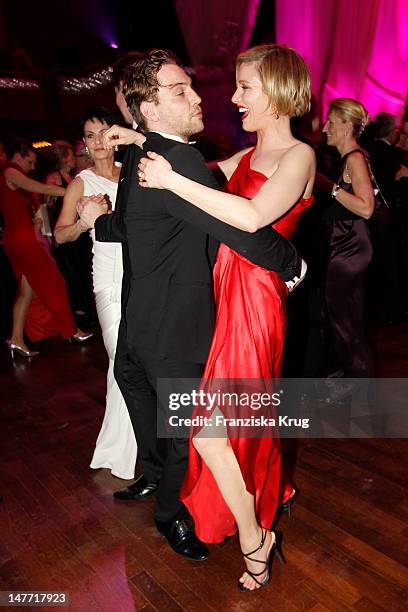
{"x":81,"y":338}
{"x":15,"y":348}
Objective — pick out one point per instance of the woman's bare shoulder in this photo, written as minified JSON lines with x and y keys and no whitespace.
{"x":14,"y":177}
{"x":358,"y":154}
{"x":12,"y":171}
{"x":301,"y":148}
{"x":357,"y":160}
{"x":75,"y":187}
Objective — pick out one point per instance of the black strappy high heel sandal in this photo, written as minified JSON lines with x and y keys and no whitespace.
{"x":286,"y":507}
{"x":276,"y":548}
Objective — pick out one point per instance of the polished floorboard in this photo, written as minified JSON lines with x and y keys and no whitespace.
{"x":61,"y":530}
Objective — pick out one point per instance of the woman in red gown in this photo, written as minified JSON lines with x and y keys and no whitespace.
{"x":236,"y":481}
{"x":34,"y":267}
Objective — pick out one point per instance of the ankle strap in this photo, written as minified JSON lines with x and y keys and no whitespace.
{"x":247,"y":555}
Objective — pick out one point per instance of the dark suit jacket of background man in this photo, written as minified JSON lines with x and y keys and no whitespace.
{"x":169,"y":248}
{"x":385,"y":161}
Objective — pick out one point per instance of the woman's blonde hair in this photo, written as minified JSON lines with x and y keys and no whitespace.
{"x":285,"y":77}
{"x":351,"y":110}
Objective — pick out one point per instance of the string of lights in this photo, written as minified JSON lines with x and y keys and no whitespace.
{"x":16,"y":83}
{"x":70,"y":85}
{"x":79,"y":85}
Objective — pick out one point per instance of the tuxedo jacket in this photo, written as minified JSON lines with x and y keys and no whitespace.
{"x":169,"y":248}
{"x":385,"y":161}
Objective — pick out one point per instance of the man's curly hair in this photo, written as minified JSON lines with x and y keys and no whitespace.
{"x":141,"y":83}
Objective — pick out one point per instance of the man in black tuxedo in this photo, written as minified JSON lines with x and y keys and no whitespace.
{"x":169,"y":248}
{"x":385,"y":156}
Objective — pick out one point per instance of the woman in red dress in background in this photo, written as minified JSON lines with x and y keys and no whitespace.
{"x":237,"y":481}
{"x":35,"y":269}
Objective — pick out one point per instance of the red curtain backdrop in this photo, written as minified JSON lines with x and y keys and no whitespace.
{"x":215,"y":31}
{"x":357,"y":49}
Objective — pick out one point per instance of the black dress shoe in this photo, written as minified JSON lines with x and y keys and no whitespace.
{"x":181,"y":537}
{"x":140,"y":489}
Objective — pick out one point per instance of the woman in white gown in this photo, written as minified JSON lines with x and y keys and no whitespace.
{"x":116,"y":445}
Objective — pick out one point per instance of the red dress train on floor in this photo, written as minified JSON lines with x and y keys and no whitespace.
{"x":248,"y":343}
{"x":30,"y":257}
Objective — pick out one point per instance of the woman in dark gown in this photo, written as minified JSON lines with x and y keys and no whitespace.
{"x":350,"y":249}
{"x":235,"y":480}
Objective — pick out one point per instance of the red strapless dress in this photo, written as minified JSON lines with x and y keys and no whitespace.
{"x":247,"y":344}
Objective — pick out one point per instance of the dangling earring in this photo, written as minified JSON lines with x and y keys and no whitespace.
{"x":276,"y":115}
{"x":116,"y":148}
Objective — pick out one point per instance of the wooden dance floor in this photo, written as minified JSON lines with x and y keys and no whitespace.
{"x":61,"y":530}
